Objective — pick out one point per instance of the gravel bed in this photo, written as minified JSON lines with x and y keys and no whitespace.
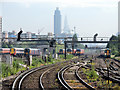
{"x":32,"y":80}
{"x":71,"y":79}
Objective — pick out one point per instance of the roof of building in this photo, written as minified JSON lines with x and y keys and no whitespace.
{"x":12,"y":36}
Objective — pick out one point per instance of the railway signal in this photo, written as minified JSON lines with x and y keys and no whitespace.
{"x":18,"y":39}
{"x":95,"y":36}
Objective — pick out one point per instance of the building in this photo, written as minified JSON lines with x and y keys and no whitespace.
{"x":66,"y":27}
{"x":66,"y":31}
{"x":58,"y":32}
{"x":5,"y":36}
{"x":26,"y":35}
{"x":119,"y":17}
{"x":57,"y":22}
{"x":0,"y":31}
{"x":50,"y":35}
{"x":12,"y":35}
{"x":33,"y":35}
{"x":119,"y":25}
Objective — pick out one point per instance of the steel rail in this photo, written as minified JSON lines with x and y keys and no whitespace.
{"x":16,"y":80}
{"x":61,"y":79}
{"x":42,"y":77}
{"x":82,"y":81}
{"x":20,"y":83}
{"x":22,"y":76}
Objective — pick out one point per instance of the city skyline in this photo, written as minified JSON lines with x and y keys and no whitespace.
{"x":88,"y":20}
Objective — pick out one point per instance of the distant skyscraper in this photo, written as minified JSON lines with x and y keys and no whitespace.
{"x":66,"y":27}
{"x":119,"y":17}
{"x":119,"y":25}
{"x":0,"y":39}
{"x":0,"y":30}
{"x":57,"y":22}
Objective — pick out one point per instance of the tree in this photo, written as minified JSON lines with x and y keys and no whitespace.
{"x":113,"y":46}
{"x":74,"y":38}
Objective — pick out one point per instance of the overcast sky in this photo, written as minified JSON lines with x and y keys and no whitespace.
{"x":88,"y":16}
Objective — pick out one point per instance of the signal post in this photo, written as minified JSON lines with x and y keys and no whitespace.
{"x":28,"y":58}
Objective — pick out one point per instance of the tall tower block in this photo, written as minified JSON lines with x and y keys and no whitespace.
{"x":0,"y":31}
{"x":57,"y":22}
{"x":119,"y":27}
{"x":0,"y":45}
{"x":119,"y":17}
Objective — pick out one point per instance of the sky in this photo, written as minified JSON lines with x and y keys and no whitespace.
{"x":88,"y":16}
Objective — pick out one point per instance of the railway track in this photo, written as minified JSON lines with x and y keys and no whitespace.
{"x":17,"y":84}
{"x":31,"y":79}
{"x":69,"y":78}
{"x":49,"y":78}
{"x":63,"y":75}
{"x":61,"y":78}
{"x":114,"y":68}
{"x":83,"y":81}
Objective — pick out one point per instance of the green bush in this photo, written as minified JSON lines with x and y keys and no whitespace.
{"x":70,"y":56}
{"x":6,"y":70}
{"x":61,"y":56}
{"x":37,"y":61}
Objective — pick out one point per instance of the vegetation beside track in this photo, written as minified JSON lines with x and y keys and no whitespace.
{"x":95,"y":79}
{"x":8,"y":70}
{"x":38,"y":61}
{"x":114,"y":46}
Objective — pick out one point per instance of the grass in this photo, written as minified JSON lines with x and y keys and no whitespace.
{"x":72,"y":81}
{"x":8,"y":70}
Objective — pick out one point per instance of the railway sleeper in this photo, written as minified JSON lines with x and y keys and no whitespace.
{"x":115,"y":64}
{"x":113,"y":68}
{"x":114,"y":72}
{"x":110,"y":78}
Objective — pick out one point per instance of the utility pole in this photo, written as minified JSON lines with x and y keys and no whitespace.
{"x":65,"y":44}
